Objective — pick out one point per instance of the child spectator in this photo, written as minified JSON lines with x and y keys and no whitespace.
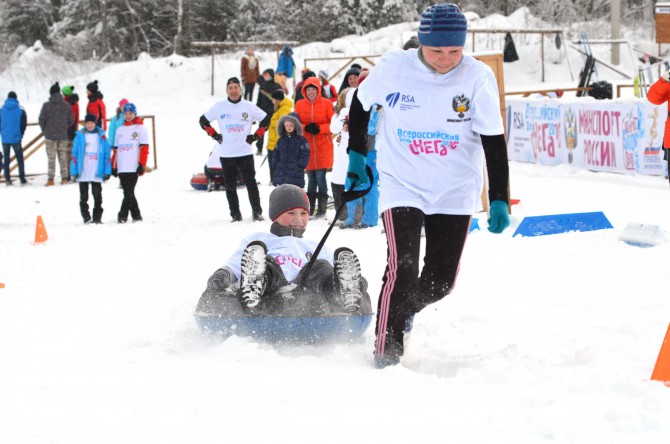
{"x":269,"y":265}
{"x":116,"y":122}
{"x":282,"y":105}
{"x":73,"y":100}
{"x":129,"y":158}
{"x":90,"y":163}
{"x":339,"y":125}
{"x":95,"y":104}
{"x":291,"y":153}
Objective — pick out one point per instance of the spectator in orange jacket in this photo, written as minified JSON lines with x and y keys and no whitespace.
{"x":315,"y":113}
{"x":658,"y":94}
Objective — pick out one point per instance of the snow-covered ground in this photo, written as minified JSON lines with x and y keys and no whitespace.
{"x":545,"y":339}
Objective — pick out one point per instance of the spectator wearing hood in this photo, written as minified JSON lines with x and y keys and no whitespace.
{"x":13,"y":123}
{"x":328,"y":91}
{"x":267,"y":86}
{"x":350,"y":78}
{"x":292,"y":153}
{"x":95,"y":104}
{"x":306,"y":74}
{"x":283,"y":105}
{"x":286,"y":64}
{"x":315,"y":113}
{"x":55,"y":119}
{"x":249,"y":72}
{"x":73,"y":100}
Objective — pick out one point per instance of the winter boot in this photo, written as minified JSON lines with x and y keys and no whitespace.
{"x":348,"y":278}
{"x":252,"y":282}
{"x":312,"y":202}
{"x":323,"y":204}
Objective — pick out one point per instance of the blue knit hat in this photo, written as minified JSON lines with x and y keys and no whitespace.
{"x":443,"y":25}
{"x":130,"y":107}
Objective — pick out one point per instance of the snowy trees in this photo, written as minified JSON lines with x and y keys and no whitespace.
{"x":121,"y":29}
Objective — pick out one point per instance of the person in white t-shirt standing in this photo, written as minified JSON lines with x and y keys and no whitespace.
{"x":441,"y":119}
{"x":235,"y":117}
{"x":129,"y":158}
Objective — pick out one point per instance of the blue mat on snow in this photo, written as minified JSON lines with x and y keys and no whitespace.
{"x":562,"y":223}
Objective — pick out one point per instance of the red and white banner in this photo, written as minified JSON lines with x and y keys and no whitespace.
{"x":599,"y":135}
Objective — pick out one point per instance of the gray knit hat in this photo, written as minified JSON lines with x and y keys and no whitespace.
{"x":443,"y":25}
{"x":287,"y":197}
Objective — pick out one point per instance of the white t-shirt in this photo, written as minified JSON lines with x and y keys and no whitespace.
{"x":291,"y":253}
{"x":128,"y":139}
{"x":341,"y":162}
{"x":235,"y":120}
{"x":433,"y":157}
{"x":91,"y":155}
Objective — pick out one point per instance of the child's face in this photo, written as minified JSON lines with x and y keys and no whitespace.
{"x":89,"y":125}
{"x":289,"y":126}
{"x":128,"y":116}
{"x":295,"y":218}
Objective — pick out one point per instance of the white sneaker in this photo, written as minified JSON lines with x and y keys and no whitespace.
{"x":348,"y":277}
{"x":252,"y":282}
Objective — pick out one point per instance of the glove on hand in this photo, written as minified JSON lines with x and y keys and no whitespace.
{"x":312,"y":128}
{"x":115,"y":172}
{"x":105,"y":177}
{"x":251,"y":138}
{"x":140,"y":169}
{"x":666,"y":76}
{"x":218,"y":137}
{"x":73,"y":177}
{"x":498,"y":216}
{"x":356,"y":169}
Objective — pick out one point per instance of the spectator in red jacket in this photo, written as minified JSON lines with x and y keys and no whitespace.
{"x":95,"y":104}
{"x":659,"y":93}
{"x":315,"y":114}
{"x":328,"y":91}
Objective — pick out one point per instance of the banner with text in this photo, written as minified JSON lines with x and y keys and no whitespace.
{"x":599,"y":135}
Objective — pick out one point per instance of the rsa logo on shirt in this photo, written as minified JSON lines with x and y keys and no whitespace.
{"x":406,"y":101}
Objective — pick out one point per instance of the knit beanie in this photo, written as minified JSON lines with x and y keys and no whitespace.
{"x":68,"y":90}
{"x":122,"y":103}
{"x":443,"y":25}
{"x":278,"y":95}
{"x":90,"y":117}
{"x":11,"y":95}
{"x":130,"y":107}
{"x":93,"y":86}
{"x":55,"y":88}
{"x":287,"y":197}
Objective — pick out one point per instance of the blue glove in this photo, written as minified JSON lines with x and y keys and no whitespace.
{"x":498,"y":216}
{"x":356,"y":170}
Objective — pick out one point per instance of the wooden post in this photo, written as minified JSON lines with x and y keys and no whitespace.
{"x":541,"y":52}
{"x":213,"y":61}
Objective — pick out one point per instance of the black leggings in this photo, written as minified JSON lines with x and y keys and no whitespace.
{"x":96,"y":188}
{"x":129,"y":203}
{"x":404,"y":291}
{"x":245,"y":166}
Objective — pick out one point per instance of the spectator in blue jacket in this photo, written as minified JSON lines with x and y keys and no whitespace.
{"x":90,"y":163}
{"x":12,"y":127}
{"x":286,"y":63}
{"x":291,"y":154}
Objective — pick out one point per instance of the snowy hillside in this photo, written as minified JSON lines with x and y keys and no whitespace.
{"x":547,"y":339}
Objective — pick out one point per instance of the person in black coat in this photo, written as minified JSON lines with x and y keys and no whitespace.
{"x":291,"y":154}
{"x":267,"y":86}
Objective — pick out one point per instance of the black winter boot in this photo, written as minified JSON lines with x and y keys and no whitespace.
{"x":312,"y":202}
{"x":323,"y":204}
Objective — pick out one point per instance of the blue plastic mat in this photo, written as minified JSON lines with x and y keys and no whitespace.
{"x":562,"y":223}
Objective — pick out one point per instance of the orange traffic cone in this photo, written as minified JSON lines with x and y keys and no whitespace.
{"x":40,"y":231}
{"x":2,"y":285}
{"x":662,"y":369}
